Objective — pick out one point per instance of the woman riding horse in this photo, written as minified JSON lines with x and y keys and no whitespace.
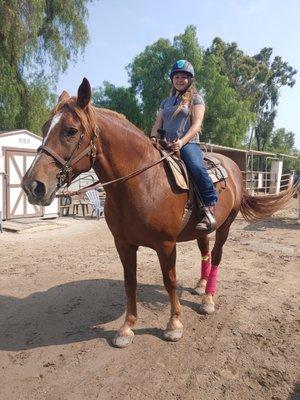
{"x":142,"y":210}
{"x":181,"y":116}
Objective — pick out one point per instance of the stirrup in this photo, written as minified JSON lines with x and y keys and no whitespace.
{"x":208,"y":222}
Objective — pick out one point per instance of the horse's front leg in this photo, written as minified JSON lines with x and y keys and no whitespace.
{"x":167,"y":259}
{"x":127,"y":253}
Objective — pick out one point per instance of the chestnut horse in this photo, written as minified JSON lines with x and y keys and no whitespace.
{"x":143,"y":210}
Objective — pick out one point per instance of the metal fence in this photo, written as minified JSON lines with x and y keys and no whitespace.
{"x":265,"y":182}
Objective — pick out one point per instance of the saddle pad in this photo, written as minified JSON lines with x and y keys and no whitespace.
{"x":179,"y":172}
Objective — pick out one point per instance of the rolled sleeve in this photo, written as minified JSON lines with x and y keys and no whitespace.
{"x":198,"y":99}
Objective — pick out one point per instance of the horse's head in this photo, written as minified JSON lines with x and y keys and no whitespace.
{"x":68,"y":146}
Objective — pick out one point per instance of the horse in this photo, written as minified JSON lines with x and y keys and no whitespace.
{"x":142,"y":206}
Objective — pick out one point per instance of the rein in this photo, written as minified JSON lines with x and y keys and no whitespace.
{"x":121,"y":179}
{"x":64,"y":176}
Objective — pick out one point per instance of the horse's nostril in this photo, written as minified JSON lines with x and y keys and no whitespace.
{"x":38,"y":188}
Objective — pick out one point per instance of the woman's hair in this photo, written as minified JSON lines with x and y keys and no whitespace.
{"x":187,"y":98}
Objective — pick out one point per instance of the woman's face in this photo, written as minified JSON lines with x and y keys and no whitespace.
{"x":181,"y":81}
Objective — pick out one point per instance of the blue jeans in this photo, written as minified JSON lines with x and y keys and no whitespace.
{"x":192,"y":155}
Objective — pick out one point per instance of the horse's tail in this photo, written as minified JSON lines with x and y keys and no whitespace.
{"x":254,"y":208}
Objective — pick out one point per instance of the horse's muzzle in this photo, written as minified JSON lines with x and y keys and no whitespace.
{"x":36,"y":192}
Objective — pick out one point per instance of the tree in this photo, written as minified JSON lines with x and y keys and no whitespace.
{"x":38,"y":39}
{"x":149,"y":71}
{"x":257,"y":79}
{"x":119,"y":99}
{"x":282,"y":141}
{"x":149,"y":78}
{"x":227,"y":118}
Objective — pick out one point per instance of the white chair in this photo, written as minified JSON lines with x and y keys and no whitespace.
{"x":94,"y":199}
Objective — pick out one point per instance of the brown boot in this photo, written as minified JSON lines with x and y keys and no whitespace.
{"x":208,"y":222}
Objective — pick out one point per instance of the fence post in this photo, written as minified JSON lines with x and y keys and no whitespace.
{"x":276,"y":172}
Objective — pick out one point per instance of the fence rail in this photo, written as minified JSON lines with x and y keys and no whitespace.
{"x":264,"y":182}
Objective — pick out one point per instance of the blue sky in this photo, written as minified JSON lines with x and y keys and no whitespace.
{"x":121,"y":29}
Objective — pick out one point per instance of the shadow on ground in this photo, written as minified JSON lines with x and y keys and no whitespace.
{"x":273,"y":223}
{"x":296,"y":393}
{"x":72,"y":312}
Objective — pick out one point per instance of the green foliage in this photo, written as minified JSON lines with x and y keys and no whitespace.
{"x":227,"y":118}
{"x":258,"y":80}
{"x":149,"y":71}
{"x":37,"y":41}
{"x":283,"y":141}
{"x":149,"y":77}
{"x":119,"y":99}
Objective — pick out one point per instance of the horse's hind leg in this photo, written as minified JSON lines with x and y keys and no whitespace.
{"x":127,"y":255}
{"x":167,"y":259}
{"x":208,"y":305}
{"x":203,"y":244}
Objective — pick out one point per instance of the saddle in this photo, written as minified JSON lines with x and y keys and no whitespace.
{"x":179,"y":176}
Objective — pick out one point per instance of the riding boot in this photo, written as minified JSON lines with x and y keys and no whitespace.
{"x":208,"y":222}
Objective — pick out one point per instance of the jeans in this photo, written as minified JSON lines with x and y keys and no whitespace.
{"x":192,"y":155}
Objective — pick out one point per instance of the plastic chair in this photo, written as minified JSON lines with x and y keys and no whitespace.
{"x":94,"y":199}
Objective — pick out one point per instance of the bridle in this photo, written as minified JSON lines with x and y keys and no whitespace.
{"x":65,"y":175}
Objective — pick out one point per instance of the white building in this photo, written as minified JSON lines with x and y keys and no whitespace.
{"x":17,"y":151}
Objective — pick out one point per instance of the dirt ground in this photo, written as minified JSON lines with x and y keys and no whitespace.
{"x":62,"y":298}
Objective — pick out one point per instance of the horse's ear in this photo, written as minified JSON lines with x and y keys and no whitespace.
{"x":84,"y":93}
{"x":64,"y":96}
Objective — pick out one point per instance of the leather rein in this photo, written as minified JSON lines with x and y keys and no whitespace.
{"x":65,"y":174}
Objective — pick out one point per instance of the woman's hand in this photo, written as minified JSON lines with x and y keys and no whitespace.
{"x":153,"y":139}
{"x":177,"y":145}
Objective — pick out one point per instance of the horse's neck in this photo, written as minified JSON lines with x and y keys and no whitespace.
{"x":121,"y":150}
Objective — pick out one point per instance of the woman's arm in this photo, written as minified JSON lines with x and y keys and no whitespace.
{"x":157,"y":125}
{"x":197,"y":119}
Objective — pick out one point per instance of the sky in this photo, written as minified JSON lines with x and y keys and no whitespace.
{"x":121,"y":29}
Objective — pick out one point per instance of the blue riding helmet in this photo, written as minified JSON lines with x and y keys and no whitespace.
{"x":182,"y":66}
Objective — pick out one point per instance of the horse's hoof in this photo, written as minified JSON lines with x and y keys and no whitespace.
{"x":200,"y":290}
{"x":173,"y":335}
{"x":122,"y":341}
{"x":206,"y":308}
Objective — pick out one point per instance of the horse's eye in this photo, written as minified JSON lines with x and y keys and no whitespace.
{"x":71,"y":132}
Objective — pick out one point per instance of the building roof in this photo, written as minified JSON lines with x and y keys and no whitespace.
{"x":17,"y":132}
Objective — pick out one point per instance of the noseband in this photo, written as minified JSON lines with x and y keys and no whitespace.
{"x":65,"y":174}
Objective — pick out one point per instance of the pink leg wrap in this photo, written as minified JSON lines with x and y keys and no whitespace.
{"x":211,"y":286}
{"x":205,"y":266}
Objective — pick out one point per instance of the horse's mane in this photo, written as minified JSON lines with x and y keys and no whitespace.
{"x":120,"y":119}
{"x":88,"y":116}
